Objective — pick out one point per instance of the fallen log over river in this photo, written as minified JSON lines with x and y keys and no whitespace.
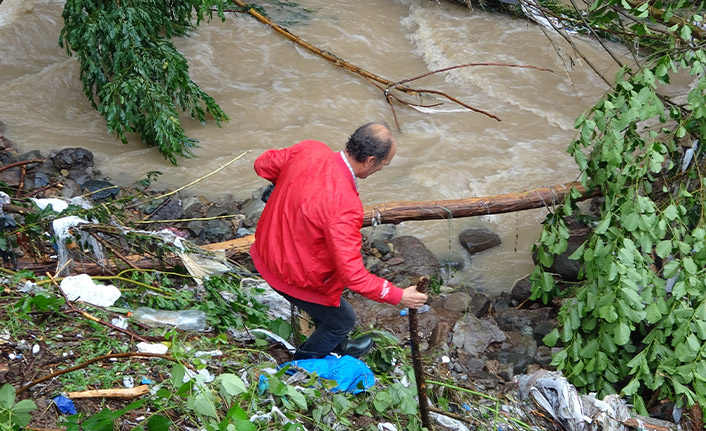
{"x":391,"y":212}
{"x":397,"y":212}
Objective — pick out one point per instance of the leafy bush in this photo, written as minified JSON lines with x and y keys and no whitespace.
{"x":637,"y":323}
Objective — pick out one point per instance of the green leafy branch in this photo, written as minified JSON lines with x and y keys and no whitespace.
{"x":132,"y":74}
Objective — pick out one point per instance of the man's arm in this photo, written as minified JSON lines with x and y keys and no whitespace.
{"x":270,"y":163}
{"x":344,"y":242}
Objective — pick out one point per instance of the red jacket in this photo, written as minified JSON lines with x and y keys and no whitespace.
{"x":308,"y":241}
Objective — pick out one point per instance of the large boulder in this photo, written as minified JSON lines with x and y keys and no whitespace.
{"x":72,"y":158}
{"x":475,"y":335}
{"x":418,"y":260}
{"x":478,"y":238}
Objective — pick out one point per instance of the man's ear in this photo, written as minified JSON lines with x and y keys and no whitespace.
{"x":369,"y":161}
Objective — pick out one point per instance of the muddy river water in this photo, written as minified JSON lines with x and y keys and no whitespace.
{"x":277,"y":94}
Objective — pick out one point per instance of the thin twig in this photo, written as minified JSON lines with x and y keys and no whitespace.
{"x":20,"y":163}
{"x":202,"y":178}
{"x":107,"y":245}
{"x":99,"y":358}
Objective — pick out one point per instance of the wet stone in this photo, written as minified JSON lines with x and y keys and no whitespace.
{"x":478,"y":238}
{"x":40,"y":179}
{"x":72,"y":158}
{"x":100,"y":190}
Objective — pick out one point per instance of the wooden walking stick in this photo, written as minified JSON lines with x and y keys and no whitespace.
{"x":422,"y":285}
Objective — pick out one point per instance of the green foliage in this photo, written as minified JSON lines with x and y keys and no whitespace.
{"x":13,"y":416}
{"x":637,"y":323}
{"x":132,"y":74}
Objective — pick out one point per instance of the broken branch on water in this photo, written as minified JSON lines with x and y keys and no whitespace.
{"x":385,"y":84}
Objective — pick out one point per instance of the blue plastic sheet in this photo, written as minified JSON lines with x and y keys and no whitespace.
{"x":65,"y":405}
{"x":351,"y":374}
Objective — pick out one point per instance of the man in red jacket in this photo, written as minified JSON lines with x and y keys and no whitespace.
{"x":308,"y":241}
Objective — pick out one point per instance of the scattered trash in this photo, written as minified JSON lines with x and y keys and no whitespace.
{"x":386,"y":426}
{"x":158,"y":348}
{"x":267,"y":417}
{"x":606,"y":415}
{"x":448,"y":423}
{"x":188,"y":320}
{"x":128,"y":382}
{"x":203,"y":376}
{"x":35,"y":349}
{"x":351,"y":374}
{"x":65,"y":405}
{"x":120,"y":322}
{"x":61,"y":227}
{"x":445,"y":359}
{"x":689,"y":155}
{"x":275,"y":337}
{"x":145,"y":381}
{"x":12,"y":356}
{"x":59,"y":205}
{"x":423,"y":309}
{"x":263,"y":384}
{"x":82,"y":288}
{"x":278,"y":306}
{"x":209,"y":353}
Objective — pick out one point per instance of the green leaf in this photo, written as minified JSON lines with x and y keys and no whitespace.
{"x":203,"y":404}
{"x":158,"y":423}
{"x":297,"y":397}
{"x":689,"y":265}
{"x":245,"y":426}
{"x":231,"y":384}
{"x":7,"y":396}
{"x":621,"y":334}
{"x":664,"y":248}
{"x":551,"y":338}
{"x":671,"y":212}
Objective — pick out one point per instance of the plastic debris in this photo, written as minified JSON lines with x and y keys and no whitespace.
{"x":145,"y":381}
{"x":65,"y":405}
{"x":35,"y":349}
{"x":209,"y":353}
{"x":267,"y":417}
{"x":82,"y":288}
{"x":120,"y":322}
{"x":445,"y":359}
{"x":278,"y":307}
{"x":188,"y":320}
{"x":351,"y":374}
{"x":59,"y":205}
{"x":423,"y":309}
{"x":128,"y":382}
{"x":158,"y":348}
{"x":203,"y":376}
{"x":263,"y":384}
{"x":448,"y":423}
{"x":61,"y":228}
{"x":386,"y":426}
{"x":275,"y":337}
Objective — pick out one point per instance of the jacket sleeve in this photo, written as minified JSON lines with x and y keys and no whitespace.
{"x":270,"y":163}
{"x":344,"y":242}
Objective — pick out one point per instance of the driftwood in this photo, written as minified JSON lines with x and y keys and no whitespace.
{"x":391,"y":212}
{"x":124,"y":393}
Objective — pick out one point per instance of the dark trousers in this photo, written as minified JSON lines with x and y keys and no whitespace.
{"x":332,"y":324}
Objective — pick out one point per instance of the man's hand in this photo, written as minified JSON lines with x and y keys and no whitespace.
{"x":411,"y":298}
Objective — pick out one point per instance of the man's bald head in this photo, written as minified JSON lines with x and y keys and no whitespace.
{"x":372,"y":139}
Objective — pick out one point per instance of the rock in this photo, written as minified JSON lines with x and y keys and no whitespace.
{"x":478,"y":238}
{"x":217,"y":231}
{"x":72,"y":158}
{"x":191,"y":206}
{"x":418,"y":260}
{"x":11,"y":176}
{"x":71,"y":188}
{"x":513,"y":319}
{"x":384,"y":232}
{"x":519,"y":343}
{"x":79,"y":175}
{"x":521,"y":290}
{"x":440,"y":334}
{"x":505,"y":372}
{"x":41,"y":179}
{"x":382,"y":246}
{"x":31,"y":155}
{"x":543,"y":328}
{"x":519,"y":361}
{"x":463,"y":302}
{"x":171,"y":210}
{"x":566,"y":268}
{"x":100,"y":190}
{"x":543,"y":356}
{"x":475,"y":335}
{"x":217,"y":211}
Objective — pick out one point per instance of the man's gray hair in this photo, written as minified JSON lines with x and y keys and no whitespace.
{"x":372,"y":139}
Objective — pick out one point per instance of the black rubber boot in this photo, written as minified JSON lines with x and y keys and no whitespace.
{"x":357,"y":347}
{"x":305,"y":354}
